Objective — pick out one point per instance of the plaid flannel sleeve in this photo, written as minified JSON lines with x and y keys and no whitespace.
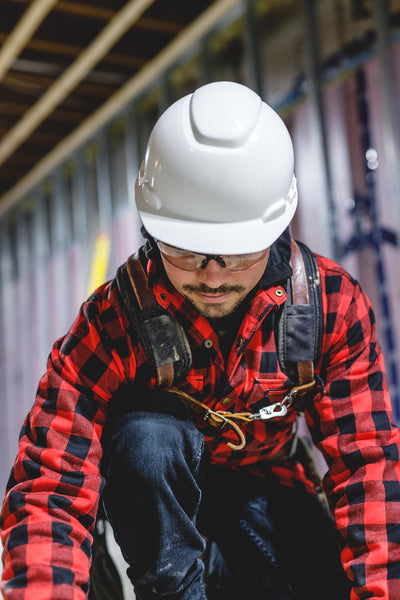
{"x":53,"y":491}
{"x":351,"y":425}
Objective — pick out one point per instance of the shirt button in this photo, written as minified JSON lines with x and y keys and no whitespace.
{"x":208,"y":344}
{"x":239,"y":342}
{"x":226,"y":401}
{"x":279,"y":293}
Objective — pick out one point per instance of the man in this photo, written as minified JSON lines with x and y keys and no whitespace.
{"x":216,"y":193}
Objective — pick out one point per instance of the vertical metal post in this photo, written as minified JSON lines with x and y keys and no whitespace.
{"x":60,"y":234}
{"x":131,"y":155}
{"x":79,"y":201}
{"x":100,"y":263}
{"x":12,"y":384}
{"x":104,"y":183}
{"x":253,"y":43}
{"x":390,"y":355}
{"x":41,"y":253}
{"x":79,"y":235}
{"x":391,"y":114}
{"x":5,"y":364}
{"x":315,"y":87}
{"x":24,"y":327}
{"x":132,"y":168}
{"x":167,"y":93}
{"x":206,"y":63}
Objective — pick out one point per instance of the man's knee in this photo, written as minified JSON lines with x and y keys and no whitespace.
{"x":150,"y":442}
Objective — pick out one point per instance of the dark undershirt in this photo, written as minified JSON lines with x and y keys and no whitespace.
{"x":277,"y":271}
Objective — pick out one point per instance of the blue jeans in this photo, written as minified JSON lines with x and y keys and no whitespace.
{"x":163,"y":499}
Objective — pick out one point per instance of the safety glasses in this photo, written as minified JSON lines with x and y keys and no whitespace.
{"x":192,"y":261}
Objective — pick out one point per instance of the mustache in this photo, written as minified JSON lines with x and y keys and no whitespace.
{"x":204,"y":289}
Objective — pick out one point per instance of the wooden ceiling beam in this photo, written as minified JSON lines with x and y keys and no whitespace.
{"x":61,"y":115}
{"x":73,"y":51}
{"x":41,"y":82}
{"x":22,"y":32}
{"x":105,"y":14}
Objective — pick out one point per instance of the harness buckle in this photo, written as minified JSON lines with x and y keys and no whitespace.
{"x":219,"y":420}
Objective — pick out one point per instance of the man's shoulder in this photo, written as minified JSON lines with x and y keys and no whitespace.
{"x":338,"y":286}
{"x":329,"y":268}
{"x":103,"y":309}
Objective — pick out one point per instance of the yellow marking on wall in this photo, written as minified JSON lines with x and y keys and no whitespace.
{"x":100,"y":262}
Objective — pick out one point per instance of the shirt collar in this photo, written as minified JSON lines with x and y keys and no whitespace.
{"x":278,"y":268}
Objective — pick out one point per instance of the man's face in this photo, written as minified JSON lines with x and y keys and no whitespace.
{"x":214,"y":290}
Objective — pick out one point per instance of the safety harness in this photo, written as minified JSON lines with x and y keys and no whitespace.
{"x":298,"y":338}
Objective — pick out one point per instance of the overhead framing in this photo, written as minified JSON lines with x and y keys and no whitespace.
{"x":153,"y":69}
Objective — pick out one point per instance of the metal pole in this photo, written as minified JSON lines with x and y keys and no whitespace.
{"x":80,"y":228}
{"x":391,"y":114}
{"x":253,"y":43}
{"x":376,"y":239}
{"x":104,"y":183}
{"x":41,"y":254}
{"x":6,"y":373}
{"x":25,"y":327}
{"x":132,"y":168}
{"x":60,"y":234}
{"x":315,"y":88}
{"x":100,"y":262}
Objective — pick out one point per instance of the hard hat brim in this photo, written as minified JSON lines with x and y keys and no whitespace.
{"x":218,"y":238}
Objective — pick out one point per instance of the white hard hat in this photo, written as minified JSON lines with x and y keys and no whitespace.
{"x":217,"y":177}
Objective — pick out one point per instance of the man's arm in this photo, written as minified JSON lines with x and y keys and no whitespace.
{"x":53,"y":491}
{"x":351,"y":424}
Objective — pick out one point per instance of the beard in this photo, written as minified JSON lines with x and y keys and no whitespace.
{"x":217,"y":309}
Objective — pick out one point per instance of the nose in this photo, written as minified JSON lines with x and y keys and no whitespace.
{"x":213,"y":274}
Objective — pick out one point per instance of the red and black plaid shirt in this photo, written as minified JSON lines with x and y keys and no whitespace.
{"x":54,"y":489}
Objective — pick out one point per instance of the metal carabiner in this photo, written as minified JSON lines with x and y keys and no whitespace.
{"x":279,"y":409}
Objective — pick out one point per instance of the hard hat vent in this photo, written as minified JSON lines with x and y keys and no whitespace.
{"x":222,"y":118}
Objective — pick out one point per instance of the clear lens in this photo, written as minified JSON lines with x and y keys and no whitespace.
{"x":191,"y":261}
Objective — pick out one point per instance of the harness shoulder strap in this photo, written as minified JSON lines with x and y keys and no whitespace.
{"x":162,"y":337}
{"x":298,"y":334}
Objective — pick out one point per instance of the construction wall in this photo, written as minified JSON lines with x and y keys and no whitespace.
{"x":323,"y":66}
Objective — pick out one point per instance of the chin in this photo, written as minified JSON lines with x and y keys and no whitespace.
{"x":214,"y":311}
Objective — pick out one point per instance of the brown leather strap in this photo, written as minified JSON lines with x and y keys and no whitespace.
{"x":218,"y":419}
{"x":299,"y":289}
{"x":138,"y":279}
{"x":146,"y":300}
